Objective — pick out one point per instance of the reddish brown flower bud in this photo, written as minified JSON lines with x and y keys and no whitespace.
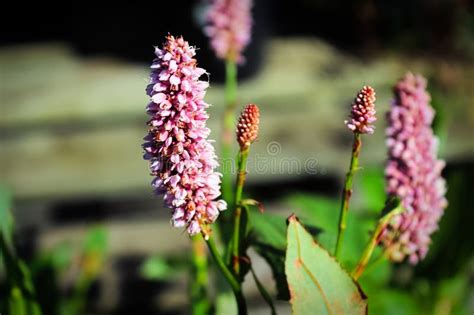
{"x":247,"y":126}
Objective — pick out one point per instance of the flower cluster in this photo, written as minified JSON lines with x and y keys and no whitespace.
{"x":181,"y":157}
{"x":413,"y":173}
{"x":229,"y":27}
{"x":363,"y":112}
{"x":247,"y":126}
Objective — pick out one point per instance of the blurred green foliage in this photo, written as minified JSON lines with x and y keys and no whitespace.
{"x":438,"y":285}
{"x":159,"y":268}
{"x":33,"y":288}
{"x":20,"y":292}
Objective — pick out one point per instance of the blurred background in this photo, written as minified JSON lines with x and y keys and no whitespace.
{"x":72,"y":119}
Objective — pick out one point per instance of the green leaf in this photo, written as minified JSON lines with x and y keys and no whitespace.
{"x":322,"y":212}
{"x":16,"y":302}
{"x":156,"y":268}
{"x":394,"y":302}
{"x":61,"y":256}
{"x":371,"y":185}
{"x":377,"y":275}
{"x":316,"y":210}
{"x":276,"y":261}
{"x":19,"y":304}
{"x":263,"y":292}
{"x":455,"y":293}
{"x":268,"y":229}
{"x":268,"y":238}
{"x":225,"y":303}
{"x":6,"y":218}
{"x":317,"y":283}
{"x":22,"y":293}
{"x":96,"y":240}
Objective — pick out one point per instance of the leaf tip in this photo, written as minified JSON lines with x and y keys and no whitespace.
{"x":292,"y":218}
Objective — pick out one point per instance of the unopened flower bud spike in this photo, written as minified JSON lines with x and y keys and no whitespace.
{"x":246,"y":134}
{"x":361,"y":119}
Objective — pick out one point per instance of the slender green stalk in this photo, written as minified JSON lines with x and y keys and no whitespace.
{"x":377,"y":261}
{"x":239,"y":186}
{"x":374,"y":240}
{"x":231,"y":279}
{"x":231,"y":83}
{"x":199,"y":299}
{"x":228,"y":128}
{"x":347,"y":192}
{"x":266,"y":296}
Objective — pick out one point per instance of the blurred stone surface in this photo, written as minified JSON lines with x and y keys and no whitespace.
{"x":72,"y":126}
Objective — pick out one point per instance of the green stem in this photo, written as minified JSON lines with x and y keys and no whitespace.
{"x":199,"y":299}
{"x":228,"y":128}
{"x":239,"y":186}
{"x":266,"y":296}
{"x":347,"y":192}
{"x":231,"y":82}
{"x":377,"y":261}
{"x":374,"y":240}
{"x":231,"y":279}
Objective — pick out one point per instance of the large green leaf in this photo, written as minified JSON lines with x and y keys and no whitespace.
{"x":317,"y":283}
{"x":323,"y":212}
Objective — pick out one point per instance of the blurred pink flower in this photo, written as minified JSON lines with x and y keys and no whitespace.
{"x":363,"y":112}
{"x":413,"y":172}
{"x":229,"y":27}
{"x":181,"y":157}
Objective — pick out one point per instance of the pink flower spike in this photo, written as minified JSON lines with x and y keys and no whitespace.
{"x":181,"y":157}
{"x":229,"y":27}
{"x":413,"y":172}
{"x":363,"y":112}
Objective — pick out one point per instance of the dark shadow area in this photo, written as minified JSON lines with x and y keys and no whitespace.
{"x":137,"y":294}
{"x":275,"y":190}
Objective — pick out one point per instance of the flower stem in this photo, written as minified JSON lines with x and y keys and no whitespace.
{"x":231,"y":279}
{"x":347,"y":192}
{"x":377,"y":261}
{"x":374,"y":240}
{"x":199,"y":298}
{"x":236,"y":252}
{"x":266,"y":296}
{"x":228,"y":127}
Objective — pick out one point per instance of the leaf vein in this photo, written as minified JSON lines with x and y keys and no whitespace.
{"x":312,"y":277}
